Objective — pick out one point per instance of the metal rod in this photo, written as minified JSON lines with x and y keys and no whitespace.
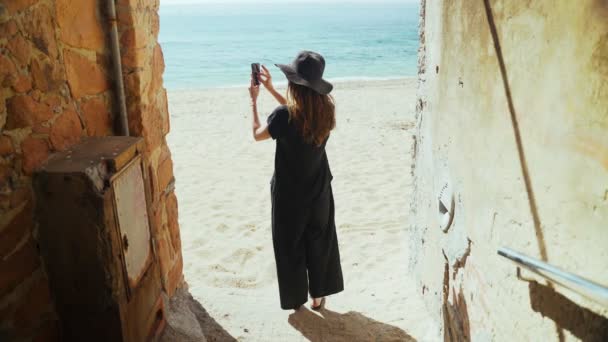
{"x":116,"y":60}
{"x":582,"y":286}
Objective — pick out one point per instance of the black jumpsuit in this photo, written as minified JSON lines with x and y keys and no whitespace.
{"x":303,"y":227}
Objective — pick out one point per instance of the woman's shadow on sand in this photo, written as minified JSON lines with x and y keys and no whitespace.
{"x":329,"y":326}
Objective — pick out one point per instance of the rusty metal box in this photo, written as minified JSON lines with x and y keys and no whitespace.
{"x":92,"y":208}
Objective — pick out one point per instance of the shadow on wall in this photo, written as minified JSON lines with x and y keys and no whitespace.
{"x":351,"y":326}
{"x":523,"y":162}
{"x":581,"y":322}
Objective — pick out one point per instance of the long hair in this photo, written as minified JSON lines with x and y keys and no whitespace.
{"x":313,"y":113}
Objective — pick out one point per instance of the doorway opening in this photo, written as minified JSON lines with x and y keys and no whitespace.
{"x":222,"y":176}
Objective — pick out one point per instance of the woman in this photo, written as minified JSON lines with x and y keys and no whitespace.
{"x":303,"y":228}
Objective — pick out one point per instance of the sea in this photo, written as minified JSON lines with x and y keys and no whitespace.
{"x":213,"y":44}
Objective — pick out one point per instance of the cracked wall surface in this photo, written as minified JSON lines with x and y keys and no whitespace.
{"x":512,"y":119}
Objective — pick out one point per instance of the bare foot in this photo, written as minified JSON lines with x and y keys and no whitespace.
{"x":317,"y":303}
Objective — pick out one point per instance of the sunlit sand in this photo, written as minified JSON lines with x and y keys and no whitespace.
{"x":224,"y":208}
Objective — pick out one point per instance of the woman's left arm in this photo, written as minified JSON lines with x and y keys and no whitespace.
{"x":260,"y":132}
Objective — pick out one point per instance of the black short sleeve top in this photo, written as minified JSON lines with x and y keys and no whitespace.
{"x":300,"y":168}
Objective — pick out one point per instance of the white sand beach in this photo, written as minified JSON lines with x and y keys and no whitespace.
{"x":224,"y":212}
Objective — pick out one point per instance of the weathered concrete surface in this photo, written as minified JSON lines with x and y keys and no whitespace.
{"x":556,"y":67}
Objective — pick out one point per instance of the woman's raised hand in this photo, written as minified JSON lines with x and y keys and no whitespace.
{"x":254,"y":91}
{"x":265,"y":78}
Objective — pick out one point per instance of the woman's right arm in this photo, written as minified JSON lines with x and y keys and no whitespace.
{"x":266,"y":80}
{"x":278,"y":96}
{"x":260,"y":132}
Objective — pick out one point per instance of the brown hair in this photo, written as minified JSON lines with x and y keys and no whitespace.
{"x":313,"y":113}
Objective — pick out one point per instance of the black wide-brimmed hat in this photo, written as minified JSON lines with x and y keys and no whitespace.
{"x":307,"y":70}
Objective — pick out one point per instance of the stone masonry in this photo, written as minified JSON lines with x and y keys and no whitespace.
{"x":56,"y":88}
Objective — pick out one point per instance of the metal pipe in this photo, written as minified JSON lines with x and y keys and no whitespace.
{"x":582,"y":286}
{"x":120,"y":87}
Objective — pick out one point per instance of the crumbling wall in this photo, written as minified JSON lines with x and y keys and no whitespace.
{"x":513,"y":121}
{"x":55,"y":88}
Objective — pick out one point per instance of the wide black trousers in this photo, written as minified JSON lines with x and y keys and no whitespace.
{"x":305,"y":247}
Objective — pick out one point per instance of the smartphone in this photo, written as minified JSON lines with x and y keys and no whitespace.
{"x":255,"y":73}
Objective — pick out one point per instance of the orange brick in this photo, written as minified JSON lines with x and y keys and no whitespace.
{"x":152,"y":130}
{"x":49,"y":332}
{"x":37,"y":23}
{"x":6,"y":313}
{"x":16,"y":229}
{"x":85,"y":77}
{"x":20,"y":195}
{"x":24,"y":111}
{"x":42,"y":73}
{"x":41,"y":129}
{"x":164,"y":152}
{"x":158,"y":68}
{"x":156,"y":220}
{"x":7,"y":67}
{"x":134,"y":38}
{"x":14,"y":6}
{"x":22,"y":83}
{"x":133,"y":58}
{"x":6,"y":176}
{"x":20,"y":49}
{"x":18,"y":266}
{"x":163,"y":108}
{"x":165,"y":174}
{"x":80,"y":24}
{"x":53,"y":101}
{"x":153,"y":191}
{"x":6,"y":146}
{"x":175,"y":277}
{"x":155,"y":24}
{"x":165,"y":256}
{"x":33,"y":305}
{"x":8,"y":29}
{"x":35,"y":152}
{"x":172,"y":221}
{"x":66,"y":130}
{"x":97,"y":117}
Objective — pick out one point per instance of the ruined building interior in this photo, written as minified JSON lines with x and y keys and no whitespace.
{"x":511,"y":140}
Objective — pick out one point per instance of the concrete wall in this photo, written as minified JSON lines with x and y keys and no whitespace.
{"x":55,"y":88}
{"x":556,"y":66}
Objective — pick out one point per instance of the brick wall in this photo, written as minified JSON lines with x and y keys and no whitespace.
{"x":55,"y":88}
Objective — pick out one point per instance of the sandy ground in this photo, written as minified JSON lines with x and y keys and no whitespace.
{"x":224,"y":206}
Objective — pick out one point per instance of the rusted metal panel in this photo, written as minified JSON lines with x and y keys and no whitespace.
{"x":116,"y":152}
{"x":132,"y":216}
{"x":95,"y":238}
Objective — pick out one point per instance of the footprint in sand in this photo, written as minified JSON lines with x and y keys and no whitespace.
{"x":222,"y":228}
{"x":251,"y":227}
{"x":220,"y":268}
{"x":199,"y":242}
{"x":240,"y":257}
{"x":345,"y":226}
{"x":235,"y":282}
